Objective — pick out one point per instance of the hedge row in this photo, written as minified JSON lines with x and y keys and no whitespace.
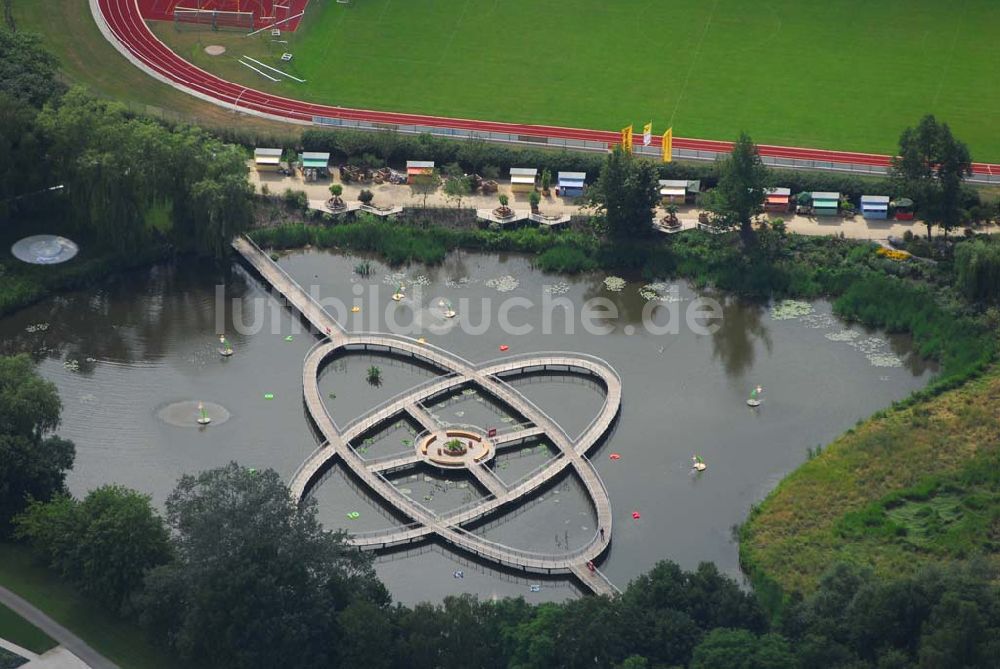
{"x":476,"y":156}
{"x":387,"y":147}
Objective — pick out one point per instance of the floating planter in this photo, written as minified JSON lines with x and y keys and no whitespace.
{"x":449,"y":312}
{"x":755,"y":400}
{"x":698,"y":464}
{"x":789,"y":309}
{"x":614,"y":284}
{"x":225,"y":349}
{"x":203,"y":417}
{"x":399,"y":294}
{"x":421,"y":341}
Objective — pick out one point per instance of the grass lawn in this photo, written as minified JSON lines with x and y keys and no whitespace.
{"x":840,"y":74}
{"x":69,"y":31}
{"x":17,"y":630}
{"x":909,"y":487}
{"x":120,"y":641}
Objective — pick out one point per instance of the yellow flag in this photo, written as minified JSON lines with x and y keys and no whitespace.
{"x":647,"y":134}
{"x":627,"y":139}
{"x":668,"y":145}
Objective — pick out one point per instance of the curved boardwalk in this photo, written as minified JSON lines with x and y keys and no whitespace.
{"x":456,"y":372}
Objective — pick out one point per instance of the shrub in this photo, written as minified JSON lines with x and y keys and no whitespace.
{"x":565,"y":258}
{"x":295,"y":199}
{"x":977,"y":269}
{"x":366,"y":196}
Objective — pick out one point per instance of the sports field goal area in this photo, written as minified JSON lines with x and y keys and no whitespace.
{"x":233,"y":15}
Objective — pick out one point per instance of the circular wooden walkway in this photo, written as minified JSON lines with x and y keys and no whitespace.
{"x":455,"y":372}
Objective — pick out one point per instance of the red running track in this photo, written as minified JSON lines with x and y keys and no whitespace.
{"x":128,"y":26}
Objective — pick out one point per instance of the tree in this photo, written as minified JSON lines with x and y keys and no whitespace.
{"x":27,"y":71}
{"x":34,"y":465}
{"x":456,"y":188}
{"x":626,"y":194}
{"x":125,"y":174}
{"x":104,"y":545}
{"x":257,"y":581}
{"x":366,"y":196}
{"x":425,"y":184}
{"x":23,"y":163}
{"x":930,"y":168}
{"x":725,"y":648}
{"x":742,"y":188}
{"x":955,"y":635}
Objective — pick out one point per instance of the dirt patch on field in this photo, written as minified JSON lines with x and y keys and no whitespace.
{"x":215,"y":49}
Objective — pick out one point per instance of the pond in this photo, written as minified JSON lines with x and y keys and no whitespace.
{"x":130,"y":352}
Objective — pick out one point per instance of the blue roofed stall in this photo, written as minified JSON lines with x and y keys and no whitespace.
{"x":571,"y":184}
{"x":875,"y":206}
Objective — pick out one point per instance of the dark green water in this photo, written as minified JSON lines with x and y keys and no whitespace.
{"x":147,"y":340}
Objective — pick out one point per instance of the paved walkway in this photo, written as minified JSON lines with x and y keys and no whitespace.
{"x":56,"y":631}
{"x":403,"y":196}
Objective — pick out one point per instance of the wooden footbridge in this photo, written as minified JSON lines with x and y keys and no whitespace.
{"x":456,"y":372}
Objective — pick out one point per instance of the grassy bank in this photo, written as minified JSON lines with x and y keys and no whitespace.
{"x":17,"y":630}
{"x":914,"y":485}
{"x":85,"y":57}
{"x":118,"y":640}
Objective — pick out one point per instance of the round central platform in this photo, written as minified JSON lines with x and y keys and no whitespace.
{"x":455,"y":448}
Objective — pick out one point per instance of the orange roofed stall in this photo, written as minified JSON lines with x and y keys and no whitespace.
{"x":419,"y":170}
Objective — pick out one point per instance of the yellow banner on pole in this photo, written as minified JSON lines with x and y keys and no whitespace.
{"x":627,"y":139}
{"x":647,"y":134}
{"x":668,"y":145}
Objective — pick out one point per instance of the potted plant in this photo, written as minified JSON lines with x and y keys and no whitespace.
{"x":670,"y":221}
{"x":366,"y":197}
{"x":503,"y":211}
{"x":336,"y":190}
{"x":534,"y":198}
{"x":374,"y":376}
{"x":455,"y":447}
{"x":546,"y":182}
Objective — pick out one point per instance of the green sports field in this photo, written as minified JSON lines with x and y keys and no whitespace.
{"x":840,"y":74}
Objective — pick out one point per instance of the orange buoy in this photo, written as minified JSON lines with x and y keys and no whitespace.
{"x":635,"y":515}
{"x":615,"y":456}
{"x":504,"y":347}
